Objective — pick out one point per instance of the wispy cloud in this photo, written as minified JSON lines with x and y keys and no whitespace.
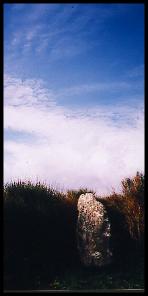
{"x":63,"y":30}
{"x":136,"y":72}
{"x":26,"y":92}
{"x":69,"y":148}
{"x":93,"y":87}
{"x":34,"y":91}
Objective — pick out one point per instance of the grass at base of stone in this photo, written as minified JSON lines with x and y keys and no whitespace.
{"x":103,"y":278}
{"x":79,"y":278}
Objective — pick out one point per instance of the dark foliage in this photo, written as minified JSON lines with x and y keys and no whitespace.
{"x":40,"y":230}
{"x":33,"y":237}
{"x":126,"y":213}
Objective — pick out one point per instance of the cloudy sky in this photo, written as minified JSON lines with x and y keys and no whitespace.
{"x":74,"y":94}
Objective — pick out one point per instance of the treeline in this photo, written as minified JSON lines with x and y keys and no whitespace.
{"x":40,"y":229}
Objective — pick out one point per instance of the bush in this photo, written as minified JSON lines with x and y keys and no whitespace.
{"x":126,"y":213}
{"x":39,"y":230}
{"x":132,"y":201}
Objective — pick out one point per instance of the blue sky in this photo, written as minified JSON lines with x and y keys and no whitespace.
{"x":81,"y":65}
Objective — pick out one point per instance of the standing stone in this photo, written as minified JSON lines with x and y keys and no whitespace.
{"x":93,"y":232}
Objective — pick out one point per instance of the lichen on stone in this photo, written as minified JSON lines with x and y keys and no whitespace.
{"x":93,"y":232}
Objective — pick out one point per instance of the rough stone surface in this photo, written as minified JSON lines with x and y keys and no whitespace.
{"x":93,"y":232}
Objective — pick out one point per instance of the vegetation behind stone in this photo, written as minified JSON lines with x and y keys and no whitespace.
{"x":40,"y":229}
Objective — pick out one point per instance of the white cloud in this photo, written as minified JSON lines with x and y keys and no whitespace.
{"x":72,"y":148}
